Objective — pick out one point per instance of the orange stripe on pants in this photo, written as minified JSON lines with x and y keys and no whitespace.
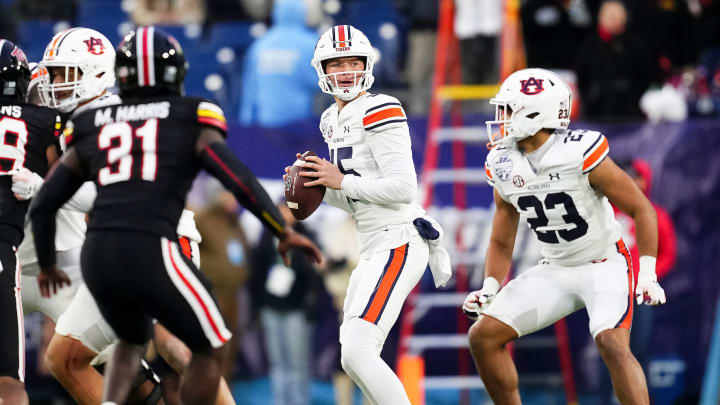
{"x":385,"y":286}
{"x":626,"y":321}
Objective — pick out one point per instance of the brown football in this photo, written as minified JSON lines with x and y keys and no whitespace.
{"x":302,"y":200}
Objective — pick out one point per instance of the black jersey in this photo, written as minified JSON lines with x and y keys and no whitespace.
{"x":26,"y":131}
{"x":141,"y":155}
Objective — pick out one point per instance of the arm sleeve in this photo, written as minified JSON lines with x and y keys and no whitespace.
{"x":337,"y":198}
{"x":398,"y":184}
{"x":83,"y":199}
{"x":59,"y":187}
{"x":219,"y":161}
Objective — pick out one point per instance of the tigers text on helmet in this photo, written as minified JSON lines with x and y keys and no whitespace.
{"x":79,"y":62}
{"x":528,"y":101}
{"x":14,"y":72}
{"x":150,"y":62}
{"x":338,"y":42}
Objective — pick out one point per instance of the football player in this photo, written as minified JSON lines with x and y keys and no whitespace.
{"x":371,"y":175}
{"x":27,"y":133}
{"x":83,"y":339}
{"x":560,"y":182}
{"x":143,"y":154}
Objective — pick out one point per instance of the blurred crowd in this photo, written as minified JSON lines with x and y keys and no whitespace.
{"x":658,"y":59}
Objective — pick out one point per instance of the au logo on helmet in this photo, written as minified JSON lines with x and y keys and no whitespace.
{"x":535,"y":84}
{"x":95,"y":46}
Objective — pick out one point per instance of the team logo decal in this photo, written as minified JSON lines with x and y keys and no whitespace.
{"x":518,"y":181}
{"x":95,"y":46}
{"x":326,"y":129}
{"x":503,"y":167}
{"x":531,"y":86}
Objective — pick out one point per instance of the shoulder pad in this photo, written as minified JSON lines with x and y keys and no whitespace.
{"x":592,"y":144}
{"x":210,"y":114}
{"x":381,"y":110}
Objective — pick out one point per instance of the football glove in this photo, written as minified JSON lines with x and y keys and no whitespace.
{"x":477,"y":301}
{"x":25,"y":184}
{"x":648,"y":290}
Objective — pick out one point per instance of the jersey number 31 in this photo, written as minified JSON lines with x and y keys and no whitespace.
{"x":119,"y":156}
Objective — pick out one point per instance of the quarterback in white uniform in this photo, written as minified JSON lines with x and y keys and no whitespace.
{"x":560,"y":181}
{"x":371,"y":175}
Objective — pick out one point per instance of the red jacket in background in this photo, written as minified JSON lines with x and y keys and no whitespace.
{"x":666,"y":229}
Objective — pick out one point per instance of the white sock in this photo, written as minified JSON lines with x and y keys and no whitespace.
{"x":109,"y":403}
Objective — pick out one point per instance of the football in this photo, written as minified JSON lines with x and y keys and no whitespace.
{"x":302,"y":200}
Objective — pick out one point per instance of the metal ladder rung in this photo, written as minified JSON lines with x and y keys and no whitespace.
{"x":469,"y":176}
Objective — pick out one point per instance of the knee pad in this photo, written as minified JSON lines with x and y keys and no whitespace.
{"x":360,"y":339}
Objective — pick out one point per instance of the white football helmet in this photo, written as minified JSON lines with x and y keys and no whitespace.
{"x":343,"y":41}
{"x":89,"y":61}
{"x":536,"y":99}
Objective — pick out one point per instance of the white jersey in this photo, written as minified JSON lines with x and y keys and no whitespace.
{"x":369,"y":141}
{"x":573,"y":222}
{"x":69,"y":232}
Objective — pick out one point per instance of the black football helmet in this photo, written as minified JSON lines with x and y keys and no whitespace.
{"x":149,"y":62}
{"x":14,"y":72}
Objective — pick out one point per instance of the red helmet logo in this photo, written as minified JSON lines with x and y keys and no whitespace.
{"x":95,"y":46}
{"x":535,"y":84}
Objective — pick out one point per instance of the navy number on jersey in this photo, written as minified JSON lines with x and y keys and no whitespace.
{"x":342,"y":154}
{"x":13,"y":138}
{"x":571,"y":217}
{"x":118,"y":140}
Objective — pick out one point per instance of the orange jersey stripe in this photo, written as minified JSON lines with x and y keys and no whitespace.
{"x":384,"y":114}
{"x":386,"y":283}
{"x":626,"y":322}
{"x":592,"y":159}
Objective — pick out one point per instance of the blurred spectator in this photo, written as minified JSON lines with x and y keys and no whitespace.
{"x":340,"y":248}
{"x":47,"y":9}
{"x":168,"y":12}
{"x":668,"y":27}
{"x":286,"y":298}
{"x":278,"y":81}
{"x":550,"y":28}
{"x":613,"y":68}
{"x":225,"y":10}
{"x":477,"y":26}
{"x":258,"y":10}
{"x":420,"y":59}
{"x":223,"y":252}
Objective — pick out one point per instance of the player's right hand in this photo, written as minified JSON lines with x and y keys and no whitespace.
{"x":25,"y":184}
{"x":295,"y":240}
{"x":476,"y":302}
{"x":51,"y":277}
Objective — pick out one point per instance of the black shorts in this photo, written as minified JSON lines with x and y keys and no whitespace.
{"x":135,"y":277}
{"x":12,"y":331}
